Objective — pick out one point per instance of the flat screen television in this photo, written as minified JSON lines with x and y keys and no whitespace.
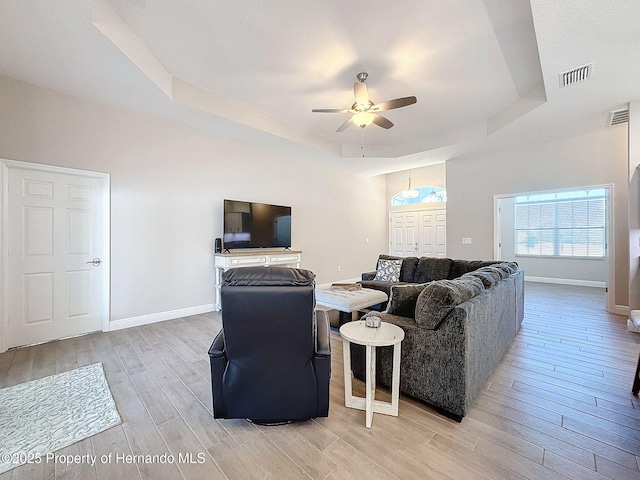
{"x":256,"y":225}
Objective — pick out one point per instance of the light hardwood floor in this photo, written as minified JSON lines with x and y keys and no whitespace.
{"x":558,"y":406}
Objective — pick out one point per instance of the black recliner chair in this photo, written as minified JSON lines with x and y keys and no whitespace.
{"x":271,"y":362}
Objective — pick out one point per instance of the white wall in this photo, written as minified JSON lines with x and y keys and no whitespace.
{"x":168,"y":183}
{"x":595,"y":158}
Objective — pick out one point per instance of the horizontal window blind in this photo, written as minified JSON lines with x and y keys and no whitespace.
{"x":571,"y":224}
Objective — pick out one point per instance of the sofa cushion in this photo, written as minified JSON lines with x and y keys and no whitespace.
{"x":460,"y":267}
{"x":408,"y":270}
{"x":402,"y":300}
{"x":388,"y":270}
{"x":439,"y":298}
{"x":431,"y":268}
{"x":488,"y":277}
{"x":508,"y":267}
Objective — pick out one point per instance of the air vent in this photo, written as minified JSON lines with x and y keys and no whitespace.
{"x":576,"y":75}
{"x":618,"y":117}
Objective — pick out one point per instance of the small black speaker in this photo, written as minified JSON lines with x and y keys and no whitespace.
{"x":218,"y":245}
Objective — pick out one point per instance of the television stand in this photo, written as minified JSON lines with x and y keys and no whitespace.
{"x":252,"y":258}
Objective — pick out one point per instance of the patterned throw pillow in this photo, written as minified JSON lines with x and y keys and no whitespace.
{"x":388,"y":270}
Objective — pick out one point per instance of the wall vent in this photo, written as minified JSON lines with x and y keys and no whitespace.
{"x":576,"y":75}
{"x":618,"y":117}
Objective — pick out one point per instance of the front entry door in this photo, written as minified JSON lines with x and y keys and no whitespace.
{"x":57,"y":224}
{"x":418,"y":233}
{"x":433,"y":229}
{"x":403,"y":234}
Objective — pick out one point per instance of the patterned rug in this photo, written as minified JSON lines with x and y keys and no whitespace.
{"x":45,"y":415}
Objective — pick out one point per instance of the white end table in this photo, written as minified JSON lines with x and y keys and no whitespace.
{"x":385,"y":335}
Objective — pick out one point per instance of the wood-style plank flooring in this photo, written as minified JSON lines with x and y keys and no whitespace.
{"x":558,"y":406}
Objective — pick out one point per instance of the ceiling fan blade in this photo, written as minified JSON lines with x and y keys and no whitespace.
{"x":344,"y":125}
{"x":361,"y":93}
{"x":330,"y":110}
{"x":381,"y":121}
{"x":396,"y":103}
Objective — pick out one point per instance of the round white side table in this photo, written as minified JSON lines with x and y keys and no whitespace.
{"x":385,"y":335}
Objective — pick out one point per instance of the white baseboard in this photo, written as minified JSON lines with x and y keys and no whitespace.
{"x":159,"y":317}
{"x":620,"y":310}
{"x":566,"y":281}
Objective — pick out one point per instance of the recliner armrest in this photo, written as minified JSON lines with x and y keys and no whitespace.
{"x":323,"y":335}
{"x":218,"y":361}
{"x":217,"y":347}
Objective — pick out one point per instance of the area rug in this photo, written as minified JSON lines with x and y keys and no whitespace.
{"x":45,"y":415}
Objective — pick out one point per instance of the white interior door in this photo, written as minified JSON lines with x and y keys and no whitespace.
{"x":418,"y":233}
{"x":57,"y":280}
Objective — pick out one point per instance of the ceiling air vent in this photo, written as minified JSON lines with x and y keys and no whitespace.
{"x":576,"y":75}
{"x":618,"y":117}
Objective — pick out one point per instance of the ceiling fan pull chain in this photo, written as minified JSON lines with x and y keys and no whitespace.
{"x":362,"y":140}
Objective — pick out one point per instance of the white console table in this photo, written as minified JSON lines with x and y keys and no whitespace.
{"x":225,"y":261}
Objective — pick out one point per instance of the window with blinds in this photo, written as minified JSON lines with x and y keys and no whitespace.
{"x":562,"y":224}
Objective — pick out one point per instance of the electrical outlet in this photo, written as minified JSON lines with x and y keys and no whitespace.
{"x":466,"y":241}
{"x":339,"y":268}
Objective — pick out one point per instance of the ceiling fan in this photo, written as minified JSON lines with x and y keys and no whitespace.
{"x":364,"y":111}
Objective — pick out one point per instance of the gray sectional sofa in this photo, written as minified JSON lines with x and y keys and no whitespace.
{"x":459,"y":318}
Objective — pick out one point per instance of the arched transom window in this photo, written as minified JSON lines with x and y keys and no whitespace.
{"x":418,"y":195}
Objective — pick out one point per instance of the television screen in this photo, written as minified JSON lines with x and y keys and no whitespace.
{"x":256,"y":225}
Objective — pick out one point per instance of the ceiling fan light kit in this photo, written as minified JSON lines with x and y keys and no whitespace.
{"x":364,"y":111}
{"x":363,"y":119}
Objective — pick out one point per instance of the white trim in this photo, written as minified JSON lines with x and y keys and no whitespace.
{"x":610,"y":251}
{"x":419,"y":207}
{"x":620,"y":310}
{"x":106,"y":313}
{"x":4,"y":271}
{"x":566,"y":281}
{"x":51,"y":168}
{"x":105,"y":178}
{"x":160,"y":316}
{"x":497,"y":226}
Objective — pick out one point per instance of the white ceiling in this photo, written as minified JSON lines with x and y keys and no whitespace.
{"x":485,"y":72}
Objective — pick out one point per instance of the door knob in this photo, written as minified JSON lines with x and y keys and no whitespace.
{"x":95,"y":262}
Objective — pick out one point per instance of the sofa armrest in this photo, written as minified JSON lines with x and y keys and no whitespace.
{"x":369,"y":275}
